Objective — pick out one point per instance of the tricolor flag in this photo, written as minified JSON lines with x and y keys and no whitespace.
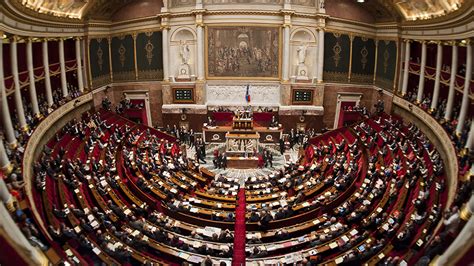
{"x":247,"y":94}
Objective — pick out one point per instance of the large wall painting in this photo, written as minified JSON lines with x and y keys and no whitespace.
{"x":245,"y":2}
{"x":243,"y":52}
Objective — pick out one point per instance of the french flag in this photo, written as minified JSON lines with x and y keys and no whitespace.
{"x":247,"y":94}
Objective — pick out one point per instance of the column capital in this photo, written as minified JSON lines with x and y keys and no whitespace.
{"x":165,"y":27}
{"x":407,"y":40}
{"x":14,"y":38}
{"x":452,"y":43}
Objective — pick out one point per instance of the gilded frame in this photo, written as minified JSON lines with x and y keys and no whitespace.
{"x":206,"y":51}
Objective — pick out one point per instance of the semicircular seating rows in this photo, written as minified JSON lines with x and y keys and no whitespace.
{"x":117,"y":192}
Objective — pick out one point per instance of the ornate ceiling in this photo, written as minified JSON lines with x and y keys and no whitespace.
{"x":426,"y":9}
{"x":383,"y":10}
{"x":101,"y":9}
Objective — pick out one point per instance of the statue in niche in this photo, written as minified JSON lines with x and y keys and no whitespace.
{"x":302,"y":69}
{"x":184,"y":69}
{"x":184,"y":51}
{"x":301,"y":50}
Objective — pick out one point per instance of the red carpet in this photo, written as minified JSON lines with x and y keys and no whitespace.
{"x":239,"y":231}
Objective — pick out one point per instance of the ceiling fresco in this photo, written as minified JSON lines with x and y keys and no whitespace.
{"x":426,"y":9}
{"x":100,"y":9}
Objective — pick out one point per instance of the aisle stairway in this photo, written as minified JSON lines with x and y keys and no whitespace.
{"x":239,"y":231}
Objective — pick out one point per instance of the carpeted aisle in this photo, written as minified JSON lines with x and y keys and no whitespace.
{"x":239,"y":230}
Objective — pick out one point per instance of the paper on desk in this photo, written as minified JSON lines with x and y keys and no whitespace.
{"x":96,"y":251}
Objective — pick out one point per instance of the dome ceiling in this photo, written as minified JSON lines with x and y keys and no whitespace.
{"x":382,"y":10}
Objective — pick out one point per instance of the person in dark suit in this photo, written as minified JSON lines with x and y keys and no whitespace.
{"x":223,"y":160}
{"x":282,"y":145}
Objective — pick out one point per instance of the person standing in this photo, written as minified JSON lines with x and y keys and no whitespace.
{"x":282,"y":145}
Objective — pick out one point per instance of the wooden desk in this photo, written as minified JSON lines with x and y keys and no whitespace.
{"x":217,"y":134}
{"x":242,"y":163}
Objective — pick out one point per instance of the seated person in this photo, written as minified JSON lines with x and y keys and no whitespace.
{"x":274,"y":122}
{"x":210,"y":121}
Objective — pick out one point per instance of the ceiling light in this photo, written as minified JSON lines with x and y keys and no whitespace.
{"x":360,"y":1}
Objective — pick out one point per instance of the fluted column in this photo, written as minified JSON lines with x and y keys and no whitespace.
{"x":465,"y":96}
{"x":439,"y":61}
{"x":6,"y":118}
{"x":166,"y":74}
{"x":421,"y":83}
{"x":47,"y":78}
{"x":16,"y":80}
{"x":5,"y":164}
{"x":62,"y":64}
{"x":31,"y":77}
{"x":80,"y":81}
{"x":286,"y":53}
{"x":320,"y":55}
{"x":200,"y":52}
{"x":452,"y":82}
{"x":406,"y":69}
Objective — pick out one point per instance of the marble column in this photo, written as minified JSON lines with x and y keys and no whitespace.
{"x":400,"y":66}
{"x":166,"y":74}
{"x":320,"y":55}
{"x":439,"y":61}
{"x":406,"y":68}
{"x":5,"y":164}
{"x":470,"y":138}
{"x":6,"y":118}
{"x":466,"y":91}
{"x":62,"y":64}
{"x":16,"y":80}
{"x":286,"y":54}
{"x":80,"y":80}
{"x":421,"y":83}
{"x":85,"y":73}
{"x":200,"y":52}
{"x":5,"y":195}
{"x":47,"y":78}
{"x":31,"y":77}
{"x":452,"y":83}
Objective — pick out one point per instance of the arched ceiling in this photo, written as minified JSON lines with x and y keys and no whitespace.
{"x":382,"y":10}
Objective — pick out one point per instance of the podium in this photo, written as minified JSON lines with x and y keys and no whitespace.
{"x":242,"y":123}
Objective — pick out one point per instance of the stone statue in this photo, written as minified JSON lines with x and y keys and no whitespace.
{"x":301,"y":50}
{"x":302,"y":69}
{"x":184,"y":51}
